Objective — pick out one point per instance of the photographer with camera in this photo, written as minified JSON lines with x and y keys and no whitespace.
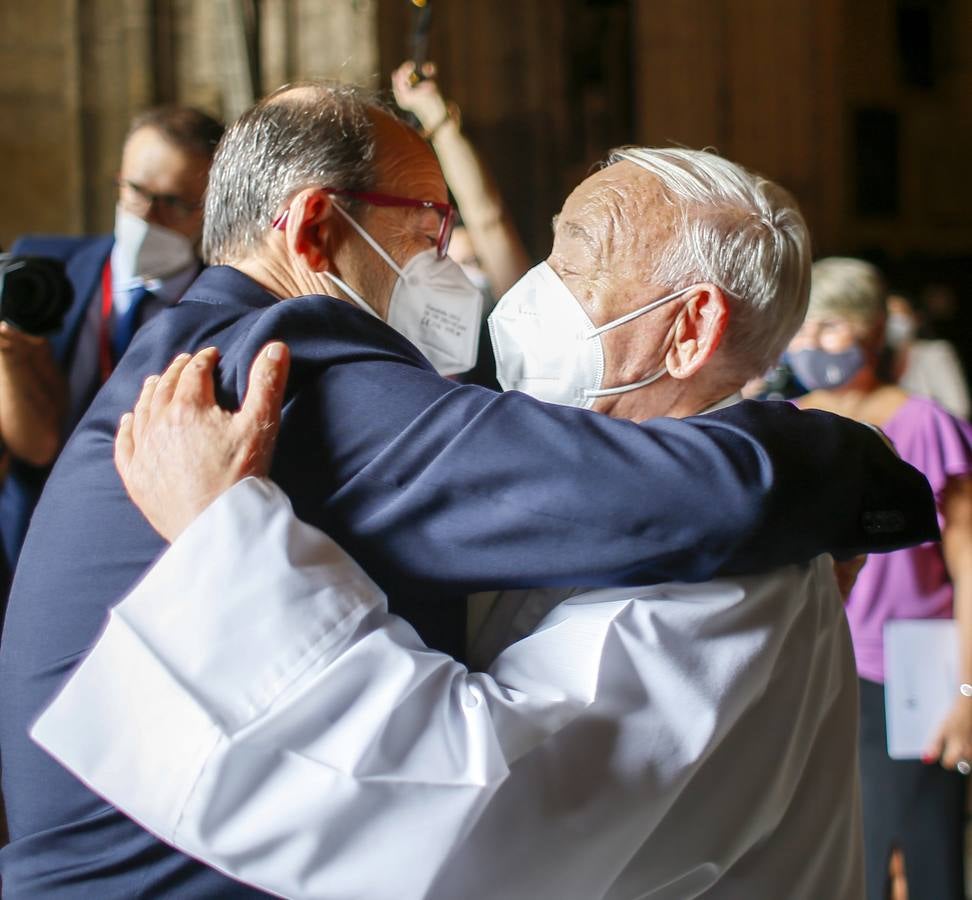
{"x":49,"y":375}
{"x":33,"y":392}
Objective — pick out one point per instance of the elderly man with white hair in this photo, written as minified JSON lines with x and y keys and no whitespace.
{"x":670,"y":741}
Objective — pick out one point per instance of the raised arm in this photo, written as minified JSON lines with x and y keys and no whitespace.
{"x":493,"y":234}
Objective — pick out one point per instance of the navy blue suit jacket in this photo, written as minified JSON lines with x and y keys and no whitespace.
{"x":84,"y":259}
{"x":437,"y":489}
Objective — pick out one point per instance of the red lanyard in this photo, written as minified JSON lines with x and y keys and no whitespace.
{"x":105,"y":359}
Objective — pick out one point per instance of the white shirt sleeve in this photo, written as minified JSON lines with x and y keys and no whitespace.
{"x":253,"y":703}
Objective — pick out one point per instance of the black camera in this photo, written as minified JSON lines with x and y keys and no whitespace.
{"x":34,"y":293}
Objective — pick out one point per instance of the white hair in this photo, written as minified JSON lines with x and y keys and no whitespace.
{"x":743,"y":233}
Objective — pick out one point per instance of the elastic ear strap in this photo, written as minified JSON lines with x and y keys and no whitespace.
{"x":610,"y":392}
{"x":353,"y":294}
{"x":374,"y":244}
{"x":661,"y":301}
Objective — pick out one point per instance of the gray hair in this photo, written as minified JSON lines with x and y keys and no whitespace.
{"x":301,"y":135}
{"x":741,"y":232}
{"x":848,"y":289}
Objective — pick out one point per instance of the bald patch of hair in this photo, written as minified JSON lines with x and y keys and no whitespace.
{"x":302,"y":135}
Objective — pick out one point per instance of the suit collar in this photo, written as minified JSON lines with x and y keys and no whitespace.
{"x":226,"y":285}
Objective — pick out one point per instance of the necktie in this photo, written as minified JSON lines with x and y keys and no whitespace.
{"x":127,"y":322}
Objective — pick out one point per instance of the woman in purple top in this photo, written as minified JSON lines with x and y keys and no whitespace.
{"x":913,"y":809}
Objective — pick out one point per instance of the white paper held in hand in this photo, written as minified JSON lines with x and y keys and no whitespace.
{"x":921,"y":681}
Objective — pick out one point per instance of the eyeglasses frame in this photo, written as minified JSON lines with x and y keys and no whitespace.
{"x":446,"y":210}
{"x":179,"y":208}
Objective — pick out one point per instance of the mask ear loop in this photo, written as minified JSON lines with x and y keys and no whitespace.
{"x":623,"y":320}
{"x":367,"y":237}
{"x":590,"y":393}
{"x":352,"y":293}
{"x":623,"y":389}
{"x":279,"y":222}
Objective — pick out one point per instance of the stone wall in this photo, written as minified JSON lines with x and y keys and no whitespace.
{"x":76,"y":71}
{"x":546,"y":88}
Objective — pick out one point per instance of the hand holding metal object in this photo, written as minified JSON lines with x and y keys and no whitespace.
{"x":420,"y":38}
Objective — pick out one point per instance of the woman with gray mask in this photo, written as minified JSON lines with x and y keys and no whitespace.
{"x":912,"y":808}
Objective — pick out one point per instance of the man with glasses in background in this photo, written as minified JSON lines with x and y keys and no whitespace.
{"x":120,"y":281}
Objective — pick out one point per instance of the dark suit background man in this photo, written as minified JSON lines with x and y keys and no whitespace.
{"x":437,"y":489}
{"x":120,"y":280}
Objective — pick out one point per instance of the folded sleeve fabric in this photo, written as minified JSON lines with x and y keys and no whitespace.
{"x":223,"y":713}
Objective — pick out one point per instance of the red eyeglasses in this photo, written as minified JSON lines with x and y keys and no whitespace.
{"x":447,"y":215}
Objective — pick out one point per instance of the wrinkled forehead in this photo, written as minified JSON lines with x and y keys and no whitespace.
{"x":621,"y":212}
{"x":405,"y":165}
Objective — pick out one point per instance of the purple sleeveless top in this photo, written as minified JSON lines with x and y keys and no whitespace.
{"x":912,"y":583}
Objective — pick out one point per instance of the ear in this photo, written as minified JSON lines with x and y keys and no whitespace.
{"x":309,"y":228}
{"x":699,"y":328}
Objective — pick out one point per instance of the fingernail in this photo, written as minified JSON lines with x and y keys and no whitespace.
{"x":927,"y":759}
{"x":275,"y":352}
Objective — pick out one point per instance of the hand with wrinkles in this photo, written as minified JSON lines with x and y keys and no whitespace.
{"x":178,"y":450}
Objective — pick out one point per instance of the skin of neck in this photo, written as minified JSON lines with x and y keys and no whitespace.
{"x":676,"y":398}
{"x":273,"y":270}
{"x":274,"y":274}
{"x":698,"y":369}
{"x":676,"y":401}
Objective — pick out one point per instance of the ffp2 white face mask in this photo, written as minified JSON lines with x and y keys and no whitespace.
{"x":146,"y":251}
{"x":547,"y":346}
{"x":433,"y":304}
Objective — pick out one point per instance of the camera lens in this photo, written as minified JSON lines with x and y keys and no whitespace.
{"x":34,"y":293}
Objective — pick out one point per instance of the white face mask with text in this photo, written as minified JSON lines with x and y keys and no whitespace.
{"x":433,"y":304}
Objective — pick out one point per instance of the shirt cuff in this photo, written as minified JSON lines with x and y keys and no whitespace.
{"x":238,"y":651}
{"x":210,"y":660}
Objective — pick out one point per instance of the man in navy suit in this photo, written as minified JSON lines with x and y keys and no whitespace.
{"x":327,"y":222}
{"x":120,"y":281}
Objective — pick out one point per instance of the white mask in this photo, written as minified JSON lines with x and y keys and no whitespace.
{"x":147,"y":251}
{"x":433,"y":304}
{"x":547,"y":346}
{"x":475,"y":275}
{"x":900,"y":330}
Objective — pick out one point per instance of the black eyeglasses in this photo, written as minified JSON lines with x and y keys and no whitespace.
{"x":139,"y":200}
